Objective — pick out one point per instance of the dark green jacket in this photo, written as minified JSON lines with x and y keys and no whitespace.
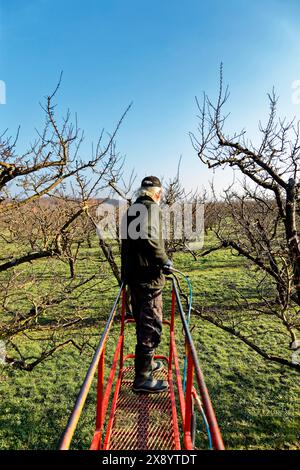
{"x":142,"y":251}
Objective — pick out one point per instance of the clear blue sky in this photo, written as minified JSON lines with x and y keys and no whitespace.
{"x":158,"y":54}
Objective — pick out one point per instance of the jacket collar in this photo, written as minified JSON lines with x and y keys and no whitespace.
{"x":145,"y":198}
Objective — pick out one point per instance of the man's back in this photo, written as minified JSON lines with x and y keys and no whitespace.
{"x":143,"y":251}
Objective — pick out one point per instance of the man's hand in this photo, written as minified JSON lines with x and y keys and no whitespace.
{"x":167,"y":266}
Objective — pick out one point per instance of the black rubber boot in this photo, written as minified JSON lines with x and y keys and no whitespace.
{"x":156,"y":365}
{"x":144,"y":382}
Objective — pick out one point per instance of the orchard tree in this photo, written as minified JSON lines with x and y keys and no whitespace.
{"x":260,"y":221}
{"x":47,"y":195}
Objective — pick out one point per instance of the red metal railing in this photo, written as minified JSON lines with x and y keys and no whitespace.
{"x":194,"y":371}
{"x":194,"y":378}
{"x":97,"y":362}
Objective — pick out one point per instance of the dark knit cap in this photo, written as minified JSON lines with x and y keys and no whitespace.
{"x":150,"y":181}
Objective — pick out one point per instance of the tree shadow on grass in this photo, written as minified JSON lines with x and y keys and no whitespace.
{"x":254,"y":415}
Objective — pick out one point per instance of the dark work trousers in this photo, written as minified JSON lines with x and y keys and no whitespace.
{"x":147,"y":311}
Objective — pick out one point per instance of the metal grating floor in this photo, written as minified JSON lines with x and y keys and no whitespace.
{"x":142,"y":421}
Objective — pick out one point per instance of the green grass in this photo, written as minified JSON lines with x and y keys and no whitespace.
{"x":257,"y":403}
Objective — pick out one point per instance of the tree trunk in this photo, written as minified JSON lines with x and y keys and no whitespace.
{"x":72,"y":268}
{"x":292,"y":234}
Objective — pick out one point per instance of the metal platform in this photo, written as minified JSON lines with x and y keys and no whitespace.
{"x":143,"y":421}
{"x":129,"y":421}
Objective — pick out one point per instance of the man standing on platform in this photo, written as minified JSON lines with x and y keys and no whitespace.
{"x":144,"y":263}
